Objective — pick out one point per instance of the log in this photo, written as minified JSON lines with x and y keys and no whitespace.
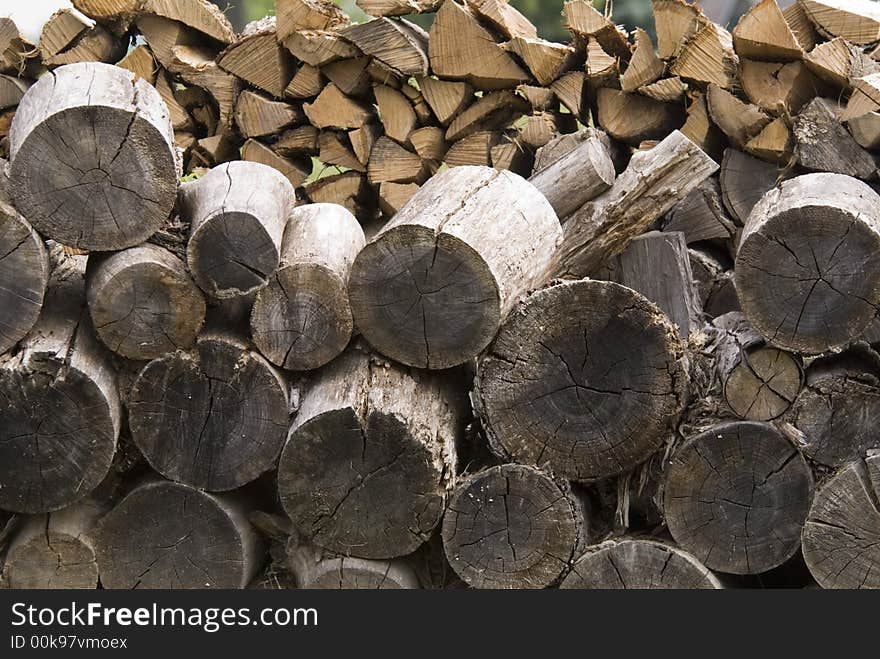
{"x":825,"y":145}
{"x":394,"y":196}
{"x":302,"y":319}
{"x":632,"y":118}
{"x":779,"y":88}
{"x":866,"y":130}
{"x":493,"y":111}
{"x":744,"y":180}
{"x":398,"y":7}
{"x":371,"y":457}
{"x":350,"y":75}
{"x":69,"y":36}
{"x":257,"y":57}
{"x":638,"y":564}
{"x":336,"y":149}
{"x":763,"y":34}
{"x":295,"y":170}
{"x":447,"y":99}
{"x":430,"y":143}
{"x":801,"y":26}
{"x":60,"y":414}
{"x":836,"y":412}
{"x":668,"y":90}
{"x":651,"y":186}
{"x":774,"y":143}
{"x":92,"y":158}
{"x":214,"y":418}
{"x":738,"y":120}
{"x":462,"y":275}
{"x":708,"y":58}
{"x":55,"y":550}
{"x":237,"y":214}
{"x":199,"y":15}
{"x":333,"y":109}
{"x":736,"y":497}
{"x":544,"y":60}
{"x":840,"y":63}
{"x":504,"y":19}
{"x":171,"y":536}
{"x":398,"y":45}
{"x":857,"y":21}
{"x":569,"y":89}
{"x":701,"y":130}
{"x":841,"y":538}
{"x":307,"y":82}
{"x":11,"y":91}
{"x":302,"y":140}
{"x":143,"y":303}
{"x":346,"y":189}
{"x":293,"y":15}
{"x":118,"y":13}
{"x":794,"y":267}
{"x":259,"y":116}
{"x":677,"y":22}
{"x":396,"y":113}
{"x":24,"y":274}
{"x":585,"y":379}
{"x":390,"y":162}
{"x":314,"y":568}
{"x":320,"y":48}
{"x":701,"y":215}
{"x":584,"y":21}
{"x":512,"y":526}
{"x":644,"y":67}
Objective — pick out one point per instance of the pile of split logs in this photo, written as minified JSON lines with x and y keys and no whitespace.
{"x":343,"y":305}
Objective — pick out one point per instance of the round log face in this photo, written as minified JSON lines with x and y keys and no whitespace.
{"x":424,"y":300}
{"x":144,"y":304}
{"x":99,"y":175}
{"x":585,"y":377}
{"x":52,"y":560}
{"x":302,"y":319}
{"x":638,"y":565}
{"x":808,"y":270}
{"x":57,"y":437}
{"x":359,"y":574}
{"x":764,"y":384}
{"x":841,"y":539}
{"x":368,"y":490}
{"x":737,"y":496}
{"x":215,"y":420}
{"x":166,"y":535}
{"x":510,"y":527}
{"x":24,"y":271}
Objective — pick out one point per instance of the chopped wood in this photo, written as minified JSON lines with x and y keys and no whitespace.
{"x":397,"y":44}
{"x":774,"y":142}
{"x":738,"y":120}
{"x":676,"y":22}
{"x":584,"y":21}
{"x":141,"y":62}
{"x":544,"y":59}
{"x":257,"y":58}
{"x":493,"y":111}
{"x":475,"y":149}
{"x":362,"y":141}
{"x":840,"y":63}
{"x":779,"y":88}
{"x":569,"y":89}
{"x":744,"y":180}
{"x":398,"y":7}
{"x":196,"y":66}
{"x":708,"y":58}
{"x":701,"y":215}
{"x":350,"y":75}
{"x":305,"y":83}
{"x":801,"y":26}
{"x":395,"y":113}
{"x":430,"y":143}
{"x":180,"y":119}
{"x":333,"y":109}
{"x":200,"y":15}
{"x":258,"y":116}
{"x":345,"y":189}
{"x":866,"y":129}
{"x":118,"y":14}
{"x":11,"y":91}
{"x":69,"y":37}
{"x":393,"y":196}
{"x":293,"y":170}
{"x":632,"y":118}
{"x":602,"y":69}
{"x":302,"y":140}
{"x":512,"y":155}
{"x":462,"y":49}
{"x":865,"y":97}
{"x":319,"y":48}
{"x":335,"y":149}
{"x":215,"y":150}
{"x":857,"y":21}
{"x":539,"y":129}
{"x":668,"y":90}
{"x":163,"y":35}
{"x":17,"y":55}
{"x":390,"y":162}
{"x":420,"y":105}
{"x":294,"y":15}
{"x":504,"y":19}
{"x":763,"y":34}
{"x":645,"y":67}
{"x":540,"y":98}
{"x":447,"y":99}
{"x":825,"y":145}
{"x":701,"y":130}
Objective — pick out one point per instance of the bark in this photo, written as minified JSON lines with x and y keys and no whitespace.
{"x":824,"y":145}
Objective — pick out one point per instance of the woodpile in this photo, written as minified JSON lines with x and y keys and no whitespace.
{"x":337,"y":305}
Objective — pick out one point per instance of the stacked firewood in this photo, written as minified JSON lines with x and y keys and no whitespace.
{"x":341,"y":305}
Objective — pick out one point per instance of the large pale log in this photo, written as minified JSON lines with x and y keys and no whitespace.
{"x":315,"y":568}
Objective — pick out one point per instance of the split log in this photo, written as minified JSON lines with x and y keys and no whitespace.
{"x":394,"y":196}
{"x":59,"y":409}
{"x":637,"y":564}
{"x":794,"y":272}
{"x":544,"y":60}
{"x":430,"y":143}
{"x":504,"y":19}
{"x":701,"y":130}
{"x":237,"y":214}
{"x":857,"y":21}
{"x":866,"y":130}
{"x":585,"y":22}
{"x":774,"y":143}
{"x":462,"y":274}
{"x":603,"y":70}
{"x":512,"y":155}
{"x":475,"y":150}
{"x":143,"y":302}
{"x":200,"y":15}
{"x":865,"y":97}
{"x":569,"y":89}
{"x":350,"y":75}
{"x":371,"y":457}
{"x":214,"y":418}
{"x":258,"y":116}
{"x":346,"y":189}
{"x":738,"y":120}
{"x":11,"y":91}
{"x":779,"y":88}
{"x":302,"y":140}
{"x":676,"y":22}
{"x":701,"y":215}
{"x":841,"y":539}
{"x":708,"y":58}
{"x":825,"y":145}
{"x":390,"y":162}
{"x":512,"y":526}
{"x":585,"y":378}
{"x":840,"y":63}
{"x":837,"y":411}
{"x":633,"y":118}
{"x":24,"y":274}
{"x":736,"y":496}
{"x":336,"y":149}
{"x":801,"y":26}
{"x":493,"y":111}
{"x":117,"y":13}
{"x":168,"y":535}
{"x":462,"y":49}
{"x":296,"y":171}
{"x":644,"y":67}
{"x":398,"y":7}
{"x":314,"y":568}
{"x":362,"y":140}
{"x":763,"y":34}
{"x":257,"y":58}
{"x":668,"y":90}
{"x":395,"y":113}
{"x":55,"y":550}
{"x":744,"y":180}
{"x":399,"y":45}
{"x":651,"y":186}
{"x":92,"y":157}
{"x":196,"y":66}
{"x":69,"y":36}
{"x":305,"y":83}
{"x":302,"y":319}
{"x":293,"y":15}
{"x":319,"y":48}
{"x":333,"y":109}
{"x":447,"y":99}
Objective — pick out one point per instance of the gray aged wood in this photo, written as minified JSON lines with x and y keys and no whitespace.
{"x":24,"y":273}
{"x":302,"y":319}
{"x":143,"y":303}
{"x":701,"y":215}
{"x":215,"y":418}
{"x":825,"y":145}
{"x":736,"y":496}
{"x":744,"y":180}
{"x":585,"y":378}
{"x":653,"y":183}
{"x":92,"y":157}
{"x":59,"y":408}
{"x":55,"y":550}
{"x":168,"y":535}
{"x":808,"y":265}
{"x":841,"y":539}
{"x":237,"y":212}
{"x":432,"y":287}
{"x":371,"y":457}
{"x":313,"y":567}
{"x":512,"y":526}
{"x":638,"y":564}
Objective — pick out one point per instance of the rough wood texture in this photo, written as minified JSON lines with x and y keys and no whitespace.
{"x":544,"y":59}
{"x":779,"y":88}
{"x":584,"y":21}
{"x":398,"y":7}
{"x":637,"y":564}
{"x":738,"y":120}
{"x":825,"y":145}
{"x":69,"y":36}
{"x":257,"y":57}
{"x":744,"y":180}
{"x":92,"y":161}
{"x":214,"y":418}
{"x":237,"y":214}
{"x":585,"y":378}
{"x":293,"y":15}
{"x":737,"y":496}
{"x":493,"y":111}
{"x":807,"y":262}
{"x":633,"y":118}
{"x":677,"y":22}
{"x":655,"y":181}
{"x":447,"y":99}
{"x":168,"y":535}
{"x":512,"y":527}
{"x":763,"y":34}
{"x":143,"y":303}
{"x":258,"y":116}
{"x":708,"y":58}
{"x":302,"y":319}
{"x":701,"y":215}
{"x":857,"y":21}
{"x":295,"y":171}
{"x":841,"y":539}
{"x":866,"y":130}
{"x":60,"y":414}
{"x":371,"y":457}
{"x":400,"y":46}
{"x":432,"y":288}
{"x":333,"y":109}
{"x":315,"y":568}
{"x":644,"y":67}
